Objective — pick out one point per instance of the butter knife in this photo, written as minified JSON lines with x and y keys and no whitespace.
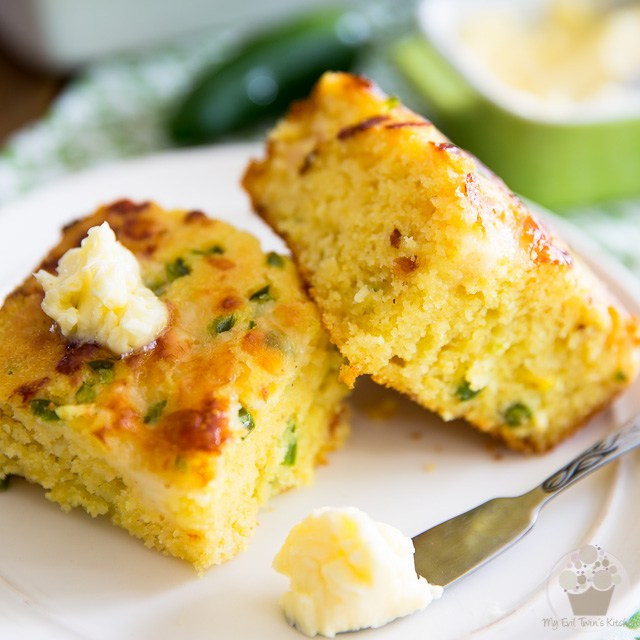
{"x":451,"y":550}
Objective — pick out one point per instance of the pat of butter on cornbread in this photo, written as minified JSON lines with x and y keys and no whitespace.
{"x":432,"y":277}
{"x":98,"y":295}
{"x":348,"y":572}
{"x":179,"y":442}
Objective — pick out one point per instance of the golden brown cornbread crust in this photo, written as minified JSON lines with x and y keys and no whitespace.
{"x":433,"y":277}
{"x":160,"y":440}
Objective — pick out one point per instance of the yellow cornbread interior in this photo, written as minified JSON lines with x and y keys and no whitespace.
{"x":180,"y":443}
{"x":432,"y":277}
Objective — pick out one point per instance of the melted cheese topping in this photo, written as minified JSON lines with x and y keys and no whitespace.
{"x":348,"y":572}
{"x":98,"y":295}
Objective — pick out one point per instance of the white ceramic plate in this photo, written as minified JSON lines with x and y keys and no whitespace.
{"x":70,"y":576}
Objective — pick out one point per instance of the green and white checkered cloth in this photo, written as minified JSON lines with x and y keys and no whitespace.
{"x":113,"y":110}
{"x":118,"y":109}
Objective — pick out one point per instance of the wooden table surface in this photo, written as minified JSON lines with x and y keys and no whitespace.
{"x":25,"y":93}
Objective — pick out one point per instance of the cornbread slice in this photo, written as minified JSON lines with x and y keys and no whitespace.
{"x":181,"y":441}
{"x":432,"y":276}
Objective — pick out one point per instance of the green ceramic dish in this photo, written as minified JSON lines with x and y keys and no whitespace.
{"x":558,"y":164}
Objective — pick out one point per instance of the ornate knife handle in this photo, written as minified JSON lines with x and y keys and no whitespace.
{"x":595,"y":457}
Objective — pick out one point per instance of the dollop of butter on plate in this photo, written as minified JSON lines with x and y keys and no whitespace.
{"x":349,"y":572}
{"x":98,"y":295}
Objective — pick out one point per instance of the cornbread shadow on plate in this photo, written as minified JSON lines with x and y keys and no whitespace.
{"x":376,"y":407}
{"x":181,"y":442}
{"x":432,"y":277}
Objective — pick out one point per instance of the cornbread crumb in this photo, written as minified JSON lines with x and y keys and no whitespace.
{"x":432,"y":277}
{"x":382,"y":409}
{"x":494,"y":450}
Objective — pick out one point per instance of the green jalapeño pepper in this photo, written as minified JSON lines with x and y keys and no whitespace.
{"x":267,"y":74}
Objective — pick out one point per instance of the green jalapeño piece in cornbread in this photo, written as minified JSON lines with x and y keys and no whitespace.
{"x":181,"y":441}
{"x":432,"y":276}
